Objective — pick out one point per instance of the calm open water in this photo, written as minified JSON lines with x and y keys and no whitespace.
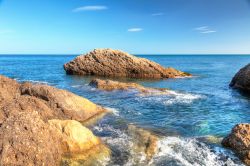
{"x":197,"y":107}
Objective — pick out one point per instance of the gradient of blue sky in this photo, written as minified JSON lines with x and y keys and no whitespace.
{"x":136,"y":26}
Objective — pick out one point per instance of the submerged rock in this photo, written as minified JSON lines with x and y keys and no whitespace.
{"x":110,"y":85}
{"x":242,"y":79}
{"x":239,"y":141}
{"x":114,"y":63}
{"x":143,"y":141}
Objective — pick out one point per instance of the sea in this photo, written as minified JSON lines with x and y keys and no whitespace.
{"x":190,"y":120}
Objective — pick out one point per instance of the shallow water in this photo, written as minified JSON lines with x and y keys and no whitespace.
{"x":196,"y":107}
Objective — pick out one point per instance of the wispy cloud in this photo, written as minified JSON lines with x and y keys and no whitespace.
{"x":205,"y":29}
{"x":90,"y":8}
{"x":135,"y":29}
{"x":157,"y":14}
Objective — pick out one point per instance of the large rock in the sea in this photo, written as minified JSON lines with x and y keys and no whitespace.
{"x":25,"y":139}
{"x":239,"y":141}
{"x":114,"y":63}
{"x":242,"y":79}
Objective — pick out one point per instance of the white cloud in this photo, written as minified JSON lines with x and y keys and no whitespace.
{"x":90,"y":8}
{"x":205,"y":29}
{"x":135,"y":29}
{"x":157,"y":14}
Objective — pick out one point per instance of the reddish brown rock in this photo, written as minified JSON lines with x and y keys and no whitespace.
{"x":242,"y":79}
{"x":26,"y":136}
{"x":239,"y":141}
{"x":114,"y":63}
{"x":110,"y":85}
{"x":25,"y":139}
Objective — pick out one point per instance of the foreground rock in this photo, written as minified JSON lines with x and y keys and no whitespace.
{"x":30,"y":135}
{"x":79,"y":144}
{"x":242,"y":79}
{"x":114,"y":63}
{"x":110,"y":85}
{"x":68,"y":105}
{"x":25,"y":139}
{"x":239,"y":141}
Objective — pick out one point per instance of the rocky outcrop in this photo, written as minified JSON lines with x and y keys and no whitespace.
{"x":114,"y":63}
{"x":239,"y":141}
{"x":29,"y":133}
{"x":110,"y":85}
{"x":242,"y":79}
{"x":143,"y":141}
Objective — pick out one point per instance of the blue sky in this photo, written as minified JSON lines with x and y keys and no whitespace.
{"x":135,"y":26}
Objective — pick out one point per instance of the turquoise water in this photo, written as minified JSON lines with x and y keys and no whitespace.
{"x":197,"y":107}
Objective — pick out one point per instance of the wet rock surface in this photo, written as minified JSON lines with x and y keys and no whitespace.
{"x":115,"y":63}
{"x":110,"y":85}
{"x":239,"y":141}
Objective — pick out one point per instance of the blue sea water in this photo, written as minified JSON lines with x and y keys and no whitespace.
{"x":197,"y":107}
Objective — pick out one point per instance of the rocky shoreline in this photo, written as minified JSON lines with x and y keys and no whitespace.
{"x":43,"y":125}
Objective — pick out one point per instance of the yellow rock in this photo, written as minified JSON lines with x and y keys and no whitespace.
{"x":76,"y":137}
{"x":80,"y":145}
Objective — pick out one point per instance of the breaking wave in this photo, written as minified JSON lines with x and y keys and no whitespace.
{"x":170,"y":97}
{"x":191,"y":152}
{"x":174,"y":151}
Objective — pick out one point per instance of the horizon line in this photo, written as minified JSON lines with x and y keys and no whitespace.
{"x":64,"y":54}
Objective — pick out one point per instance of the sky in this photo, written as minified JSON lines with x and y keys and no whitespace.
{"x":134,"y":26}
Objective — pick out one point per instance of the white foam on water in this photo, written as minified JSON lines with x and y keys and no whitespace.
{"x":113,"y":110}
{"x":76,"y":86}
{"x":185,"y":98}
{"x":190,"y":152}
{"x":36,"y":82}
{"x":170,"y":97}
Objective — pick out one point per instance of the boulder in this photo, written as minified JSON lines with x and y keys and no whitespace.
{"x":115,"y":63}
{"x":30,"y":135}
{"x":239,"y":141}
{"x":25,"y":139}
{"x":242,"y":79}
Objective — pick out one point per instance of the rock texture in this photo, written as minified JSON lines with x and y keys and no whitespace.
{"x":239,"y":141}
{"x":25,"y":139}
{"x":29,"y":133}
{"x":68,"y":105}
{"x":114,"y":63}
{"x":110,"y":85}
{"x":242,"y":79}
